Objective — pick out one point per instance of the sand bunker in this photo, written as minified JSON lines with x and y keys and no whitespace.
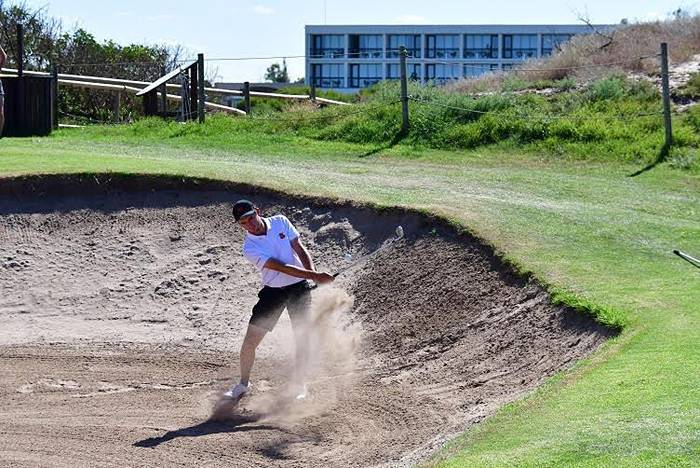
{"x":124,"y":302}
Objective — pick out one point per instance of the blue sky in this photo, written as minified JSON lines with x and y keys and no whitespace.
{"x":276,"y":28}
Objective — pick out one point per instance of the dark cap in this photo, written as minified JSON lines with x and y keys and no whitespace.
{"x":243,"y":208}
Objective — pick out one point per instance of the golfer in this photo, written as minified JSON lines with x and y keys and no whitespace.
{"x":273,"y":246}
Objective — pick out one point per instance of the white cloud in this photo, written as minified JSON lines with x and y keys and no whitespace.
{"x":263,"y":10}
{"x":410,"y":19}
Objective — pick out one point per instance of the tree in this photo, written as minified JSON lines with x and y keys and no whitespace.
{"x":277,"y":74}
{"x":78,"y":52}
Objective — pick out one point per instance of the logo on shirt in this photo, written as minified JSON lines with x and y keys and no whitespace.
{"x":282,"y":235}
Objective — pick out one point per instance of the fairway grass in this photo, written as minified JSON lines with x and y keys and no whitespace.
{"x":594,"y":236}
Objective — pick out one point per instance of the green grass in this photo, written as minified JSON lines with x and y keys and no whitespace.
{"x":691,"y":89}
{"x":611,"y":119}
{"x":600,"y":240}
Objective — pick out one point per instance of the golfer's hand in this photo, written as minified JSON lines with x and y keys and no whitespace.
{"x":323,"y":278}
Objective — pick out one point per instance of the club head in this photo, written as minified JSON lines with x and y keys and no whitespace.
{"x":399,"y":232}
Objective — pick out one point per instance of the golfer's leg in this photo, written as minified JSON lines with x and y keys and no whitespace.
{"x":265,"y":315}
{"x":298,"y":309}
{"x":252,"y":339}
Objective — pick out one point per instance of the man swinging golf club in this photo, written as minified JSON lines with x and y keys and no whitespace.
{"x":273,"y":246}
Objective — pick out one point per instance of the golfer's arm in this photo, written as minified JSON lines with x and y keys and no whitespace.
{"x":290,"y":270}
{"x":303,"y":254}
{"x":3,"y":57}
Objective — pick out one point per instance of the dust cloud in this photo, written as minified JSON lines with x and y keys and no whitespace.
{"x":332,"y":343}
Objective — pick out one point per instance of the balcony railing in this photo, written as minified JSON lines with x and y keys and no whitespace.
{"x":443,"y":53}
{"x":328,"y":53}
{"x":366,"y":53}
{"x":364,"y":81}
{"x":480,"y":53}
{"x":328,"y":82}
{"x":395,"y":53}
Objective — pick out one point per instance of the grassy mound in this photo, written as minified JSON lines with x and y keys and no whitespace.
{"x":612,"y":118}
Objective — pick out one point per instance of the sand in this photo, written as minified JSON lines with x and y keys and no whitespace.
{"x":125,"y":300}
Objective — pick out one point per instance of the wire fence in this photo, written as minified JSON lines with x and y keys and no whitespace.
{"x":299,"y":116}
{"x":327,"y":115}
{"x":354,"y":55}
{"x":530,"y":115}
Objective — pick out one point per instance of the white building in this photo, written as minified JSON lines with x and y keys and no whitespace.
{"x":347,"y":58}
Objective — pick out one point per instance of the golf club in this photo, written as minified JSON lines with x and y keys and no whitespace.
{"x":692,"y":260}
{"x":353,"y":262}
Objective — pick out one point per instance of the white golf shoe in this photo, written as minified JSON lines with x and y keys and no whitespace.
{"x":237,"y":391}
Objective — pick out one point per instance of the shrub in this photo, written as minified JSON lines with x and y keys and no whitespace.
{"x":691,"y":89}
{"x":606,"y":89}
{"x":692,"y":117}
{"x":684,"y":158}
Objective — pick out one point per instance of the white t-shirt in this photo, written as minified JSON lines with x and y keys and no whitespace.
{"x":277,"y":244}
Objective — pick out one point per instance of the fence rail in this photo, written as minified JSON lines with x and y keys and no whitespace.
{"x":10,"y":72}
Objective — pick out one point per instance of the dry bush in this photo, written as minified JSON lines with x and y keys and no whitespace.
{"x":301,"y":106}
{"x":586,"y":57}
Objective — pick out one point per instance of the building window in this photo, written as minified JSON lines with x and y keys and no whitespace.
{"x":410,"y":41}
{"x":364,"y":74}
{"x":477,"y":69}
{"x":328,"y":45}
{"x":440,"y":73}
{"x":442,"y":46}
{"x":366,"y":45}
{"x":519,"y":46}
{"x":327,"y":75}
{"x":393,"y":72}
{"x":552,"y":42}
{"x":480,"y":46}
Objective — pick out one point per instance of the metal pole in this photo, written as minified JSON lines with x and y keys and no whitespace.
{"x":200,"y":90}
{"x":404,"y":91}
{"x":246,"y":97}
{"x":666,"y":96}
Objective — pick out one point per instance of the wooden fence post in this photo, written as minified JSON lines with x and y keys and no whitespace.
{"x":116,"y":108}
{"x":404,"y":91}
{"x":20,"y":50}
{"x":54,"y":103}
{"x":666,"y":95}
{"x":246,"y":97}
{"x":164,"y":92}
{"x":200,"y":87}
{"x":312,"y":92}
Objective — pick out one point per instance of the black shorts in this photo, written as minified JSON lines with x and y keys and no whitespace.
{"x":295,"y":297}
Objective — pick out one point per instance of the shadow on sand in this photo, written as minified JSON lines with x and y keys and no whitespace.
{"x":236,"y":423}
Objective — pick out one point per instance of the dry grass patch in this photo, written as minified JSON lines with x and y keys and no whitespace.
{"x":587,"y":57}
